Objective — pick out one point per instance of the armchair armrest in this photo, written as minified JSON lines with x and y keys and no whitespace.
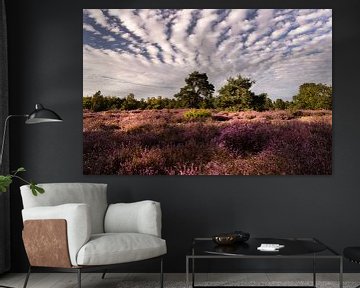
{"x":77,"y":217}
{"x":138,"y":217}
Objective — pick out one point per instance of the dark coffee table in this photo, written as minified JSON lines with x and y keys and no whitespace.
{"x":295,"y":248}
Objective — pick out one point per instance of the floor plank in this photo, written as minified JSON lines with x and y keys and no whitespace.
{"x":114,"y":280}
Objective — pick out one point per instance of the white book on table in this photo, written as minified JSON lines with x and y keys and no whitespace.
{"x":270,"y":247}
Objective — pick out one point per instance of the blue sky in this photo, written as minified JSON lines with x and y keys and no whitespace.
{"x":149,"y":52}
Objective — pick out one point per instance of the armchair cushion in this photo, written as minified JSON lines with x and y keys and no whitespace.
{"x":92,"y":194}
{"x":78,"y":221}
{"x":113,"y":248}
{"x":138,"y":217}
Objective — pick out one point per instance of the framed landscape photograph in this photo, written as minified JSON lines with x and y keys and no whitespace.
{"x":207,"y":92}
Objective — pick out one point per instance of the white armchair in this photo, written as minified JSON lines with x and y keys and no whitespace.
{"x":72,"y":228}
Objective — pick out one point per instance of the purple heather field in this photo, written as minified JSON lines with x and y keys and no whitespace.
{"x":169,"y":142}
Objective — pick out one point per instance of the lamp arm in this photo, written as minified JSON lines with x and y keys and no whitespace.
{"x":4,"y":134}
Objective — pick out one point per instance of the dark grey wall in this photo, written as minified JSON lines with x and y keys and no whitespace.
{"x":45,"y":50}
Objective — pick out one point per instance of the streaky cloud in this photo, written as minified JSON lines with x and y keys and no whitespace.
{"x":149,"y":52}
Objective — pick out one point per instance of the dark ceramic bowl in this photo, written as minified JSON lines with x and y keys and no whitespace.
{"x":231,"y":238}
{"x":225,"y":239}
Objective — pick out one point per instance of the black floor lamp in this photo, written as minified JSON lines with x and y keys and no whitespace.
{"x":39,"y":115}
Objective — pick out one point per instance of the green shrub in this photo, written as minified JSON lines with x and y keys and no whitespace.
{"x":197,"y":114}
{"x":87,"y":102}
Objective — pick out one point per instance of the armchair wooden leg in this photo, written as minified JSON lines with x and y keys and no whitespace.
{"x":103,"y":275}
{"x":79,"y":277}
{"x":161,"y":273}
{"x":27,"y":277}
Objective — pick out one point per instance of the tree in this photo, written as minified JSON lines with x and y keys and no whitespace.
{"x":269,"y":105}
{"x":280,"y":104}
{"x":197,"y":92}
{"x":97,"y":102}
{"x":260,"y":102}
{"x":114,"y":102}
{"x":236,"y":94}
{"x":156,"y":102}
{"x":313,"y":96}
{"x":87,"y":102}
{"x":130,"y":103}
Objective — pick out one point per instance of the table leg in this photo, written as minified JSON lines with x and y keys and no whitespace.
{"x":341,"y":273}
{"x":193,"y":272}
{"x":187,"y":272}
{"x":193,"y":267}
{"x":314,"y":271}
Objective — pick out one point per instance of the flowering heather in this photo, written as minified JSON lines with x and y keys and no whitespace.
{"x":164,"y":142}
{"x":245,"y":138}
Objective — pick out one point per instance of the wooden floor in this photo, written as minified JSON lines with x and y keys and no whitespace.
{"x":114,"y":280}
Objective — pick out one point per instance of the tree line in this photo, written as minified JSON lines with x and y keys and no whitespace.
{"x":235,"y":95}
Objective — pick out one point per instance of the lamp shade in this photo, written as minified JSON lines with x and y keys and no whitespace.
{"x":42,"y":115}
